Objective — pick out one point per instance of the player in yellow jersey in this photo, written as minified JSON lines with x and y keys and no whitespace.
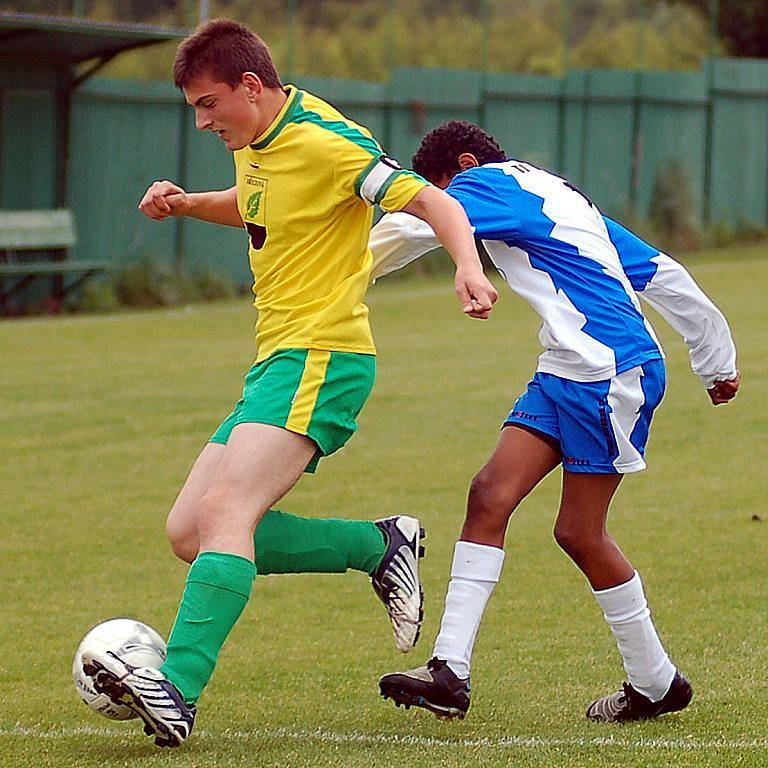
{"x":306,"y":178}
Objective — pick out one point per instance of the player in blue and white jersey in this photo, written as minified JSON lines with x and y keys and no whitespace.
{"x":588,"y":406}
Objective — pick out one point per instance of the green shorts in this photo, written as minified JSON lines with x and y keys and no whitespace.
{"x":308,"y":391}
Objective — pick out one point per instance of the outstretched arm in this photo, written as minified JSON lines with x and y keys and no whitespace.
{"x":679,"y":300}
{"x":164,"y":198}
{"x":451,"y":226}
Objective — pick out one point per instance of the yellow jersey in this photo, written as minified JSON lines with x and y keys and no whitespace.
{"x":305,"y":191}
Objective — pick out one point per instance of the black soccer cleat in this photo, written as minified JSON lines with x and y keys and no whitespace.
{"x":146,"y":691}
{"x":434,"y":687}
{"x":396,"y":579}
{"x":627,"y":704}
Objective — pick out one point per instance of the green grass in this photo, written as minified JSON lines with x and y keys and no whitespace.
{"x":102,"y":417}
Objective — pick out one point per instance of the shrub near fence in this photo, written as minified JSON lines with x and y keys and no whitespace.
{"x":612,"y":132}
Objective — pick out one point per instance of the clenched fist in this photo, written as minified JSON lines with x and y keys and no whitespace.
{"x":724,"y":391}
{"x":163,"y":199}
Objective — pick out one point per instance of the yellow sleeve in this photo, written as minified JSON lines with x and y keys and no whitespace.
{"x":402,"y":187}
{"x":364,"y":170}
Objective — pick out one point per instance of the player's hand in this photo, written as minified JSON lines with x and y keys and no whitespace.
{"x":164,"y":199}
{"x":723,"y":391}
{"x":476,"y":293}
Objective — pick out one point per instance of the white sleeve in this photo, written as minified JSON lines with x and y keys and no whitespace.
{"x":397,"y":240}
{"x":679,"y":300}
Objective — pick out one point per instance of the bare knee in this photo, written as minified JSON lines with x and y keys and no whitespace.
{"x":490,"y":502}
{"x":567,"y":538}
{"x":183,"y":539}
{"x":576,"y":541}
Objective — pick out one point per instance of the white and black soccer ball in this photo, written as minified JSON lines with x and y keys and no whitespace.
{"x":131,"y":640}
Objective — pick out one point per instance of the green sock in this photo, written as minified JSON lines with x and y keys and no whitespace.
{"x":217,"y":589}
{"x":289,"y":544}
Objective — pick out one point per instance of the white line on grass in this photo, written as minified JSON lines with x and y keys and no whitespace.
{"x":354,"y":737}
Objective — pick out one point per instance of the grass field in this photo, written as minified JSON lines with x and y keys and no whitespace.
{"x":101,"y":417}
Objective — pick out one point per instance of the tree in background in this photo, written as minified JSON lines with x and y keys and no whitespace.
{"x":363,"y":39}
{"x":742,"y":25}
{"x":174,"y":12}
{"x":668,"y":36}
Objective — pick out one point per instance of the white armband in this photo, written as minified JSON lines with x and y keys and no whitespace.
{"x":376,"y":179}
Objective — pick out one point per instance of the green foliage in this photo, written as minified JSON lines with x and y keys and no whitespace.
{"x":535,"y":36}
{"x":211,"y":285}
{"x":742,"y":25}
{"x":672,"y":37}
{"x":362,"y":39}
{"x":673,"y":229}
{"x":97,"y":296}
{"x":721,"y":233}
{"x":144,"y":63}
{"x":150,"y":283}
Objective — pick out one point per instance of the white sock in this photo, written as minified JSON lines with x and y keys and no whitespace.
{"x":476,"y":569}
{"x":649,"y":670}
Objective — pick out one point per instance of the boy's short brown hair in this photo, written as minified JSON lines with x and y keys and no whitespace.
{"x":224,"y":50}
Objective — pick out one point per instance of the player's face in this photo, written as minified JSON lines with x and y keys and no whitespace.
{"x":231,"y":113}
{"x":464,"y":160}
{"x":444,"y":181}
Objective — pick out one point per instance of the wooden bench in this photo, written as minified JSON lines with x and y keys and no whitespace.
{"x":35,"y":245}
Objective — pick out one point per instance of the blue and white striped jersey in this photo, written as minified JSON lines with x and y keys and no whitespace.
{"x":580,"y":271}
{"x":553,"y":248}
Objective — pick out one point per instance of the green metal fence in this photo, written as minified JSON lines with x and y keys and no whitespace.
{"x":610,"y":131}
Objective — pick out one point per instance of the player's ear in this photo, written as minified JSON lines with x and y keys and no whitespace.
{"x":467,"y":160}
{"x":253,"y":85}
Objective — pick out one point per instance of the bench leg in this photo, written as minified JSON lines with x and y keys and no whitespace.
{"x":17,"y":287}
{"x":80,"y":280}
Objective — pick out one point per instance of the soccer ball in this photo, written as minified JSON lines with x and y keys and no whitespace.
{"x":134,"y":642}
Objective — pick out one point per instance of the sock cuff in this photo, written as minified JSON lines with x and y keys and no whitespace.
{"x":624,"y":601}
{"x":478,"y":562}
{"x":223,"y":570}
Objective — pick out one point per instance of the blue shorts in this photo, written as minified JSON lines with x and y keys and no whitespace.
{"x":600,"y":426}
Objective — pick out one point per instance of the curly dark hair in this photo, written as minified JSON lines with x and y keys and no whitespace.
{"x":438,"y":153}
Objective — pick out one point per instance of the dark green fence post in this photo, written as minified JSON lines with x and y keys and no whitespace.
{"x":565,"y":20}
{"x":182,"y":165}
{"x":391,"y":62}
{"x":714,"y":10}
{"x":487,"y":9}
{"x":637,"y":139}
{"x":64,"y":94}
{"x":290,"y":56}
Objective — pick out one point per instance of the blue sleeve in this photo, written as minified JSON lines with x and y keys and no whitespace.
{"x":484,"y":196}
{"x":636,"y":255}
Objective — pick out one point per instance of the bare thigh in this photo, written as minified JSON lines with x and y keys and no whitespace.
{"x":181,"y":525}
{"x":521,"y":459}
{"x":259,"y":465}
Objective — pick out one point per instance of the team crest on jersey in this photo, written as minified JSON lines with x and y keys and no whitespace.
{"x":254,"y":209}
{"x":253,"y":204}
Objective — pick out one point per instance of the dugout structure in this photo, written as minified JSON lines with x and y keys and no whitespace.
{"x":43,"y":61}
